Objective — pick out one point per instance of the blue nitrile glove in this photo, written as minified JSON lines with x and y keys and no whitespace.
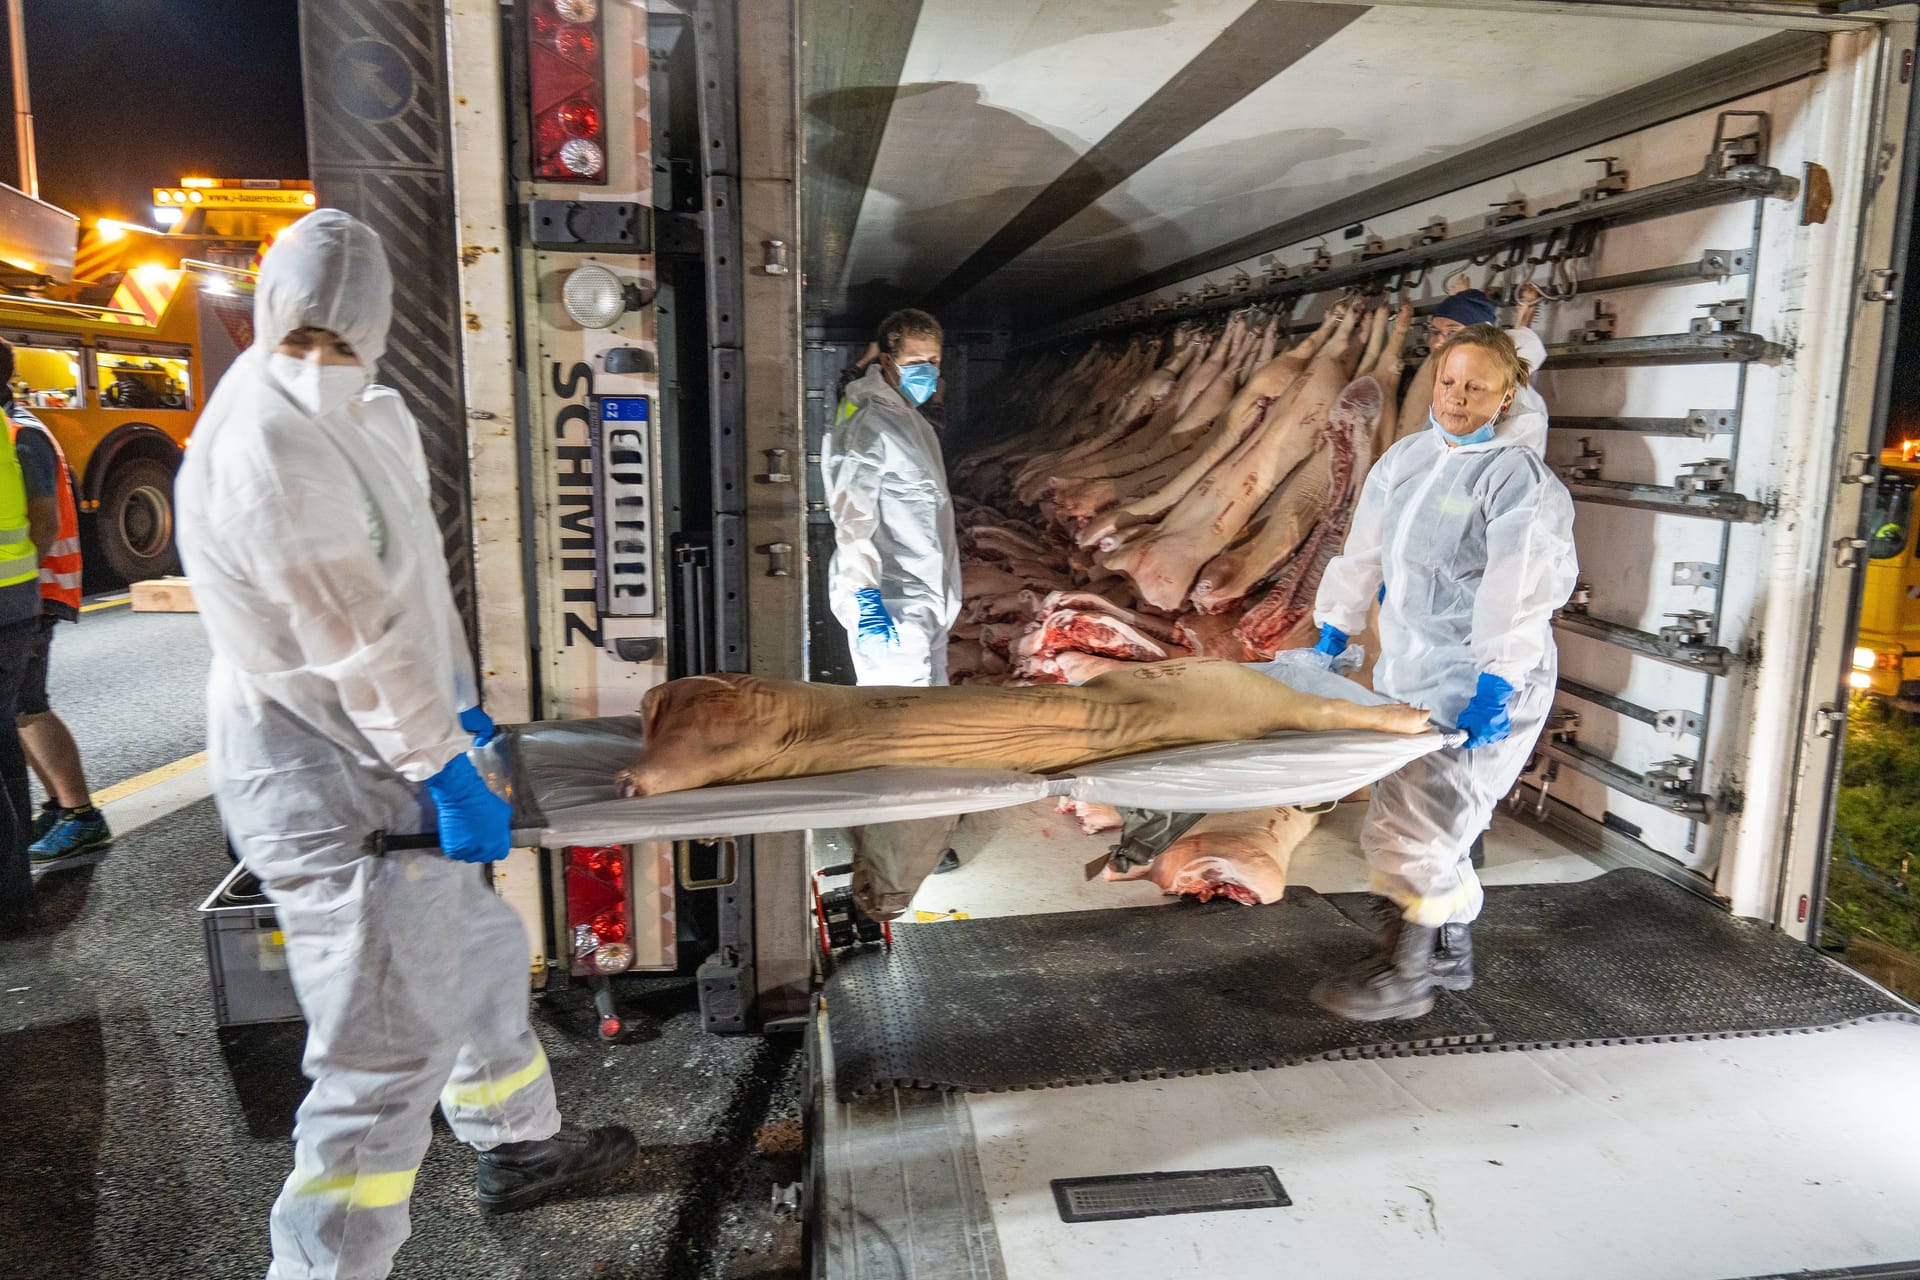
{"x":475,"y":824}
{"x":1485,"y":720}
{"x":1382,"y":597}
{"x":479,"y":724}
{"x":875,"y":622}
{"x":1333,"y":641}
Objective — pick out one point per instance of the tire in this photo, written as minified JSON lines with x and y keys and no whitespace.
{"x":134,"y":526}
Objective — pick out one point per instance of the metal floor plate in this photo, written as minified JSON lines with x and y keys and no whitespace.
{"x":1029,"y":1002}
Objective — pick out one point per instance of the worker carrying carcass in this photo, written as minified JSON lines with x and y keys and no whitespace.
{"x":1471,"y":537}
{"x":342,"y":702}
{"x":894,"y":583}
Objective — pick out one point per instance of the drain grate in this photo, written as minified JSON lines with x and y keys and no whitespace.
{"x":1152,"y":1195}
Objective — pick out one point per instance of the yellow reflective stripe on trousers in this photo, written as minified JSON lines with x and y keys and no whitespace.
{"x":489,"y":1095}
{"x":1430,"y":912}
{"x":363,"y":1190}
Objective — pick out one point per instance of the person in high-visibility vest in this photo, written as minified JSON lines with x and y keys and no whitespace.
{"x":68,"y":823}
{"x":19,"y":625}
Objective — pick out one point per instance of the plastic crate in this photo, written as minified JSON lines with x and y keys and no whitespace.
{"x":246,"y":960}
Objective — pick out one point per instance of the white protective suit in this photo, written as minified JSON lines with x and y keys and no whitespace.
{"x":339,"y":668}
{"x":1474,"y":544}
{"x":893,"y":529}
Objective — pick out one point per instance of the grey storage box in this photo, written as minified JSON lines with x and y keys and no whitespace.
{"x":246,"y":959}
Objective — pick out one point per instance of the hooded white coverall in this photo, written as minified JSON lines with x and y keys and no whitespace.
{"x":339,"y":669}
{"x":1475,"y":546}
{"x":893,"y":529}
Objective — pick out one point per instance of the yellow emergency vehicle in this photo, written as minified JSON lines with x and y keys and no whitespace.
{"x":1886,"y":661}
{"x":121,"y":391}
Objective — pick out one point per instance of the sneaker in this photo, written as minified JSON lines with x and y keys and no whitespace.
{"x":72,"y":834}
{"x":515,"y":1175}
{"x":50,"y":813}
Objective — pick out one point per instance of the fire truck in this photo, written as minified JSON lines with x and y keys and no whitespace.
{"x":672,"y":223}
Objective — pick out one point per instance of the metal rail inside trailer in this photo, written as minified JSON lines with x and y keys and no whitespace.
{"x":676,"y":221}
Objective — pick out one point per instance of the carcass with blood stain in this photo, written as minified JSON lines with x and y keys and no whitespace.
{"x":1242,"y":856}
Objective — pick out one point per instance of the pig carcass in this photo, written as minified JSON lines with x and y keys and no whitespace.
{"x":699,"y":731}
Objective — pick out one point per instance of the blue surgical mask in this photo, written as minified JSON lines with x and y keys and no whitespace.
{"x":917,"y":381}
{"x":1481,"y":436}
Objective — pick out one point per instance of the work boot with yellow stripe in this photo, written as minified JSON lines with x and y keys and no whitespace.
{"x":515,"y":1175}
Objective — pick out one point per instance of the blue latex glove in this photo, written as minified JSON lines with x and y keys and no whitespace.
{"x":1485,"y":721}
{"x":479,"y":724}
{"x":875,"y":622}
{"x":1333,"y":641}
{"x":475,"y":824}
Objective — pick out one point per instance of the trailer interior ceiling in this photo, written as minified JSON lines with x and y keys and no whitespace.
{"x":1010,"y":163}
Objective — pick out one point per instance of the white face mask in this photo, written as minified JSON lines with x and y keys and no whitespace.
{"x":317,"y":388}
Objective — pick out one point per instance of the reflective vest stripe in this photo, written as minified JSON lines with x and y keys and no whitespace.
{"x":60,"y":571}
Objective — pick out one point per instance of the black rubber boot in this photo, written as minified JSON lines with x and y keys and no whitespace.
{"x":1453,"y":957}
{"x":1396,"y":981}
{"x":515,"y":1175}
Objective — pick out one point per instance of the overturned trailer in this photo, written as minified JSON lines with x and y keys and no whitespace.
{"x":675,"y":223}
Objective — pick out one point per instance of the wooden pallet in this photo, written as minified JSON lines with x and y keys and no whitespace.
{"x":163,"y":595}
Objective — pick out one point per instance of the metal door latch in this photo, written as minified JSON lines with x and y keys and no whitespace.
{"x":1690,"y":627}
{"x":1709,"y":475}
{"x":1721,"y":317}
{"x":777,"y":472}
{"x":1829,"y":721}
{"x":1846,"y":552}
{"x":776,"y":260}
{"x":1673,"y":776}
{"x":1581,"y":599}
{"x":1883,"y":278}
{"x":1585,"y":465}
{"x":1859,"y":469}
{"x":1602,"y":328}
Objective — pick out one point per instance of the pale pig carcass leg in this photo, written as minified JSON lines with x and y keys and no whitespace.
{"x":1164,"y":563}
{"x":1262,"y":395}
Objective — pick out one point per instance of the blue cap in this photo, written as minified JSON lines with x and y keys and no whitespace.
{"x":1469,"y":306}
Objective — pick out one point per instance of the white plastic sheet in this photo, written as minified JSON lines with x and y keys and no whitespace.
{"x":559,"y":776}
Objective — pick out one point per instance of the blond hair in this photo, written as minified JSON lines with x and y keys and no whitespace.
{"x":904,"y":324}
{"x":1492,"y":339}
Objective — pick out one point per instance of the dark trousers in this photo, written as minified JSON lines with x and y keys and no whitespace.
{"x":16,"y":814}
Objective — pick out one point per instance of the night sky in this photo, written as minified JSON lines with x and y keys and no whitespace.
{"x":129,"y":95}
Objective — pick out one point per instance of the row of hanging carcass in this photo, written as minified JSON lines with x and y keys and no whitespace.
{"x":1177,"y":495}
{"x":1172,"y":496}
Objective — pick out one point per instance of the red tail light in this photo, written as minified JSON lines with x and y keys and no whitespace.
{"x":567,"y":82}
{"x":599,"y":907}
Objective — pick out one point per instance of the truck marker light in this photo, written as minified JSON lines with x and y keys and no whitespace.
{"x":598,"y":908}
{"x":577,"y":10}
{"x":1863,"y":659}
{"x":1860,"y":680}
{"x":566,"y":86}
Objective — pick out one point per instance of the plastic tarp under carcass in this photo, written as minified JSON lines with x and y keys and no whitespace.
{"x":559,"y":776}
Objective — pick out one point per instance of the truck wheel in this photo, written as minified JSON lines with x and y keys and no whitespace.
{"x":134,"y":525}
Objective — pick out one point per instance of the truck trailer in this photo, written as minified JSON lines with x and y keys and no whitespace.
{"x":672,"y":224}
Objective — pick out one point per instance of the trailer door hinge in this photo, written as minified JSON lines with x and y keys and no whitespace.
{"x":1829,"y":720}
{"x":1846,"y":552}
{"x":778,"y":470}
{"x":779,"y":558}
{"x":1880,"y":285}
{"x":1859,"y":469}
